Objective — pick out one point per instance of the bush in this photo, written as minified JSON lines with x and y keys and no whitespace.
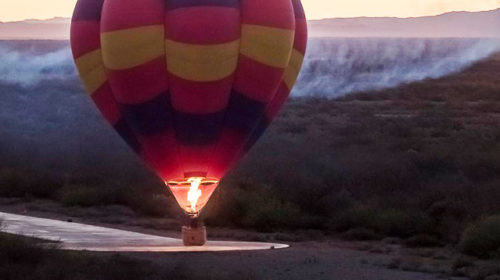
{"x":361,"y":234}
{"x":155,"y":205}
{"x":399,"y":223}
{"x":389,"y":222}
{"x":77,"y":195}
{"x":18,"y":249}
{"x":13,"y":184}
{"x":422,"y":240}
{"x":28,"y":184}
{"x":353,"y":218}
{"x":482,"y":239}
{"x":267,"y":214}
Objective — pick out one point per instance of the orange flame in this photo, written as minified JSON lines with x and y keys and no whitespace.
{"x":194,"y":192}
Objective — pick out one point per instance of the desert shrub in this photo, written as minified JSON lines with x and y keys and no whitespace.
{"x":482,"y":239}
{"x":13,"y":184}
{"x":144,"y":201}
{"x":85,"y":196}
{"x":422,"y":240}
{"x":389,"y":222}
{"x":44,"y":186}
{"x":268,"y":214}
{"x":20,"y":250}
{"x":399,"y":223}
{"x":482,"y":168}
{"x":21,"y":183}
{"x":434,"y":166}
{"x":334,"y":203}
{"x":361,"y":234}
{"x":358,"y":217}
{"x":253,"y":207}
{"x":155,"y":205}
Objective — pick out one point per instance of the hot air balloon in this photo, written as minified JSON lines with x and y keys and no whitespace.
{"x":190,"y":85}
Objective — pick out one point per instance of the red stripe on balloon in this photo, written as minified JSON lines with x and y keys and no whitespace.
{"x":203,"y":25}
{"x":230,"y":142}
{"x":160,"y":153}
{"x":200,"y":98}
{"x":195,"y":159}
{"x":105,"y":101}
{"x":279,"y":100}
{"x":124,"y":14}
{"x":300,"y":42}
{"x":84,"y":37}
{"x":256,"y":80}
{"x":275,"y":13}
{"x":141,"y":83}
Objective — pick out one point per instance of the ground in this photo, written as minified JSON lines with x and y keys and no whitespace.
{"x":401,"y":166}
{"x":328,"y":258}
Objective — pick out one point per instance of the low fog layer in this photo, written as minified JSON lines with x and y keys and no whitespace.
{"x":28,"y":69}
{"x":333,"y":67}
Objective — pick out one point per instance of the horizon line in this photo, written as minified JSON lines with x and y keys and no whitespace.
{"x":314,"y":19}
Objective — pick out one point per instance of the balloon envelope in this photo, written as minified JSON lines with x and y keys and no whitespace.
{"x":190,"y":85}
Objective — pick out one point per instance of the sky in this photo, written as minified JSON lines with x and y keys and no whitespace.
{"x":13,"y":10}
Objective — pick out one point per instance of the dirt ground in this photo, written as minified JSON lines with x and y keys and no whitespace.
{"x":308,"y":260}
{"x":329,"y":258}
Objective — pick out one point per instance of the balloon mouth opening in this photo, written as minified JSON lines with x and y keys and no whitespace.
{"x":193,"y":193}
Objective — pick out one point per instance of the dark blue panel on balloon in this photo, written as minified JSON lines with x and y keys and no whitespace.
{"x":151,"y":117}
{"x":257,"y":133}
{"x":243,"y":113}
{"x":88,"y":10}
{"x":198,"y":129}
{"x":127,"y":134}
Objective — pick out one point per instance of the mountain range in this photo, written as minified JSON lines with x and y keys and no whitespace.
{"x":455,"y":24}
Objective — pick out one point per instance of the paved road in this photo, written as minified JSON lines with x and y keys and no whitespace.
{"x":75,"y":236}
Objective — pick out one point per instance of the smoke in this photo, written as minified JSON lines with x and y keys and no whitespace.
{"x":336,"y":66}
{"x":28,"y":68}
{"x":333,"y":66}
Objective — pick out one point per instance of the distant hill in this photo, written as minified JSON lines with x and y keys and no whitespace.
{"x":52,"y":29}
{"x":455,"y":24}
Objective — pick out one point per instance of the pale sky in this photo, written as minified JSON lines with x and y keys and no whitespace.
{"x":12,"y":10}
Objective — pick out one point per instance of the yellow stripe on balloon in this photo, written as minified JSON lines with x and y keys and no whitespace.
{"x":293,"y":69}
{"x":268,"y":45}
{"x":91,"y":70}
{"x":202,"y":63}
{"x":132,"y":47}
